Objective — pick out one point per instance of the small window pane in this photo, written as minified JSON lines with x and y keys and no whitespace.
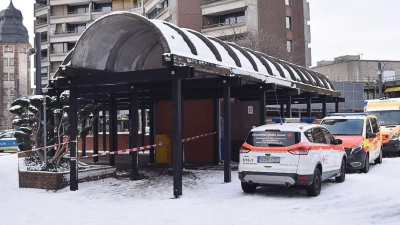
{"x":8,"y":49}
{"x":11,"y":61}
{"x":288,"y":22}
{"x":11,"y":76}
{"x":5,"y":62}
{"x":5,"y":76}
{"x":289,"y":45}
{"x":287,"y":2}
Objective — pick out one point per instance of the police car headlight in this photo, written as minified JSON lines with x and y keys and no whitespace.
{"x":394,"y":136}
{"x":356,"y":149}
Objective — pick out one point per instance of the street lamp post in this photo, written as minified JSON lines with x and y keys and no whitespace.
{"x":380,"y":79}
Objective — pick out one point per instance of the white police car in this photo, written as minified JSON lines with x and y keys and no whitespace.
{"x":291,"y":153}
{"x":8,"y":142}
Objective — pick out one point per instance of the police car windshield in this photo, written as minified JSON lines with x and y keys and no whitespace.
{"x":344,"y":126}
{"x":391,"y":117}
{"x":272,"y":138}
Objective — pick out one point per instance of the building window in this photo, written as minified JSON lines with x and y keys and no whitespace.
{"x":11,"y":61}
{"x":5,"y":91}
{"x":22,"y":50}
{"x":5,"y":105}
{"x":12,"y":91}
{"x":106,"y":7}
{"x":5,"y":77}
{"x":8,"y":49}
{"x":288,"y":2}
{"x":5,"y":62}
{"x":232,"y":18}
{"x":76,"y":28}
{"x":288,"y":22}
{"x":289,"y":45}
{"x":12,"y":76}
{"x":78,"y":9}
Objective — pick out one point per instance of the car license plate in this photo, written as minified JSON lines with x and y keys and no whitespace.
{"x":267,"y":159}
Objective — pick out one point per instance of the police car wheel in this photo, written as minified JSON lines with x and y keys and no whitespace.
{"x":315,"y":187}
{"x":342,"y":174}
{"x":248,"y":188}
{"x":379,"y":159}
{"x":366,"y":166}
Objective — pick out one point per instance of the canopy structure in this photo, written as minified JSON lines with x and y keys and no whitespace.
{"x":127,"y":61}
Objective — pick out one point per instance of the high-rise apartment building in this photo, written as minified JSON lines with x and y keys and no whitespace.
{"x":278,"y":23}
{"x":15,"y":64}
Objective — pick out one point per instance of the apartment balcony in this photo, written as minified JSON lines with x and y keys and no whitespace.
{"x":163,"y":15}
{"x":220,"y":7}
{"x":57,"y":56}
{"x":70,"y":2}
{"x":70,"y":18}
{"x":41,"y":10}
{"x":41,"y":28}
{"x":97,"y":14}
{"x":64,"y":37}
{"x":150,"y":4}
{"x":224,"y":30}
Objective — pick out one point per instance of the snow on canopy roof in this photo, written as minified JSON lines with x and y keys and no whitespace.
{"x":125,"y":41}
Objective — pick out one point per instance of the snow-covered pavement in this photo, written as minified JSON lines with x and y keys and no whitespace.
{"x":362,"y":199}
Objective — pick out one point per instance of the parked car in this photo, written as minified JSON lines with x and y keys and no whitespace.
{"x":361,"y":138}
{"x":284,"y":153}
{"x":8,"y":142}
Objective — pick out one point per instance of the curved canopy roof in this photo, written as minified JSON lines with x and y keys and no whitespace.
{"x":124,"y":41}
{"x":11,"y":28}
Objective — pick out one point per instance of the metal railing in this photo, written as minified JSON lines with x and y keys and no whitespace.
{"x":222,"y":24}
{"x":206,"y":2}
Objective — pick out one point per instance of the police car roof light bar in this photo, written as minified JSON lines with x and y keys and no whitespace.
{"x":293,"y":120}
{"x":349,"y":114}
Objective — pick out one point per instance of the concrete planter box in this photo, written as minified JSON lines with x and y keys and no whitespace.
{"x":58,"y":180}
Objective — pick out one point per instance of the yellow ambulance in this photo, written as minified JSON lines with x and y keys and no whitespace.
{"x":388,"y":112}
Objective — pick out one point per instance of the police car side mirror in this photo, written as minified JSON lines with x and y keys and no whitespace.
{"x":338,"y":141}
{"x":371,"y":135}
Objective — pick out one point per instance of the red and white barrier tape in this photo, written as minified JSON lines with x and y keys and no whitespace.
{"x":34,"y":149}
{"x":196,"y":137}
{"x":119,"y":151}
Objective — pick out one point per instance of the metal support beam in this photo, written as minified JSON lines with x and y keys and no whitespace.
{"x":83,"y":140}
{"x":324,"y":113}
{"x":308,"y":99}
{"x":177,"y":135}
{"x":96,"y":138}
{"x":263,"y":107}
{"x":216,"y":125}
{"x":113,"y":133}
{"x":152,"y":115}
{"x":38,"y":63}
{"x":133,"y":133}
{"x":281,"y":111}
{"x":143,"y":122}
{"x":104,"y":131}
{"x":336,"y":105}
{"x":288,"y":106}
{"x":73,"y":127}
{"x":227,"y":134}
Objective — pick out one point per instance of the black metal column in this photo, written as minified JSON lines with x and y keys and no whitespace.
{"x":96,"y":138}
{"x":83,"y":140}
{"x":152,"y":114}
{"x":263,"y":107}
{"x":143,"y":121}
{"x":227,"y":133}
{"x":177,"y":135}
{"x":133,"y":132}
{"x":336,"y":105}
{"x":113,"y":133}
{"x":73,"y":127}
{"x":308,"y":99}
{"x":216,"y":136}
{"x":288,"y":106}
{"x":104,"y":130}
{"x":324,"y":106}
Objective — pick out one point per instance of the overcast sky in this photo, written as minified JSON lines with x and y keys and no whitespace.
{"x":338,"y":27}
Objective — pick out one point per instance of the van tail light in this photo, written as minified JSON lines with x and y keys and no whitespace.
{"x":302,"y":150}
{"x":244,"y":150}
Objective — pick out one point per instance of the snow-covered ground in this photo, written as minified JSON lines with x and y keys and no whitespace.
{"x":362,"y":199}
